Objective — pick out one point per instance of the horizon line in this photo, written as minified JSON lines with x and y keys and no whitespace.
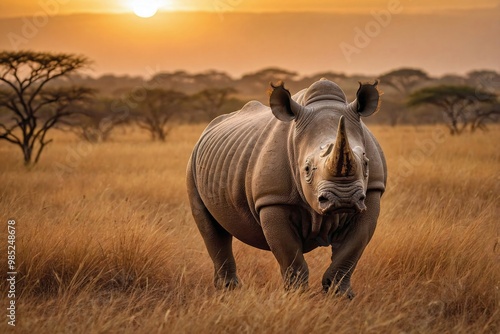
{"x":92,"y":74}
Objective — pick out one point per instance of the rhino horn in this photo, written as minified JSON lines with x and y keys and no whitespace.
{"x":341,"y":161}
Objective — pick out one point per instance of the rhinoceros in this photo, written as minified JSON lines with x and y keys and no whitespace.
{"x":303,"y":173}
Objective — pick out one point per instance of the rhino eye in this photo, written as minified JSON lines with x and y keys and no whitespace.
{"x":308,"y":170}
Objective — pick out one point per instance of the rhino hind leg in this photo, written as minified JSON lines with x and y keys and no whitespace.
{"x":217,"y":241}
{"x":219,"y":245}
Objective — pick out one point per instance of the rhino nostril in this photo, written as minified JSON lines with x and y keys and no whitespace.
{"x":322,"y":199}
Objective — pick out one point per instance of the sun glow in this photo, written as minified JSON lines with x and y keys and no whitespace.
{"x":145,"y":8}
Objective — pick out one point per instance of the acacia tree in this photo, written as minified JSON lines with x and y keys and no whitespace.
{"x":484,"y":79}
{"x":157,"y":110}
{"x":403,"y":80}
{"x":211,"y":100}
{"x":484,"y":114}
{"x":29,"y":106}
{"x":460,"y":104}
{"x":258,"y":82}
{"x":95,"y":121}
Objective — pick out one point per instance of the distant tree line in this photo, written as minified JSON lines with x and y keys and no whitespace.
{"x":40,"y":91}
{"x":215,"y":92}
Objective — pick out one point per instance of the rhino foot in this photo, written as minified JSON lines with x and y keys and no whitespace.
{"x":296,"y":279}
{"x":339,"y":289}
{"x":227,"y":283}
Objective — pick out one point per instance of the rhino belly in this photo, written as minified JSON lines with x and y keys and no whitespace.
{"x":242,"y":225}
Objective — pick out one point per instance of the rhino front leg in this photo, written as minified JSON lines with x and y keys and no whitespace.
{"x":285,"y":243}
{"x":346,"y":252}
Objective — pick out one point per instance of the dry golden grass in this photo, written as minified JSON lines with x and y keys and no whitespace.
{"x":108,"y":245}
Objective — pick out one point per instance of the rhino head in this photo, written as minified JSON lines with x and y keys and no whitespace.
{"x":327,"y":151}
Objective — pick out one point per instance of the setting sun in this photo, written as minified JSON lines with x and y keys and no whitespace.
{"x":145,"y":8}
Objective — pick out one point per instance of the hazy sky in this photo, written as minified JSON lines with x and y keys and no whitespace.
{"x":9,"y":8}
{"x":355,"y":40}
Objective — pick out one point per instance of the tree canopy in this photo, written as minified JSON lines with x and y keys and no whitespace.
{"x":35,"y":107}
{"x":404,"y":79}
{"x":157,"y":109}
{"x":461,"y":104}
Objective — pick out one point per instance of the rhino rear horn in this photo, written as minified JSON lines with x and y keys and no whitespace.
{"x":341,"y":161}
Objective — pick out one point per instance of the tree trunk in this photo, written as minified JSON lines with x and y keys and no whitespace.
{"x":161,"y":135}
{"x":394,"y":120}
{"x":454,"y":127}
{"x":27,"y":154}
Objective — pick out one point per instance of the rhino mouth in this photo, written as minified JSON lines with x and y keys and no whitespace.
{"x":330,"y":203}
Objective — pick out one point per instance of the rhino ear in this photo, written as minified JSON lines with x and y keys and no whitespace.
{"x":367,"y":99}
{"x":283,"y":107}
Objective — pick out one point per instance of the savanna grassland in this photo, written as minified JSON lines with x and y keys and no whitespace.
{"x":106,"y":244}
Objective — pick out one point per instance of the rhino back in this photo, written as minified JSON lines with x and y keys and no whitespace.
{"x":378,"y":167}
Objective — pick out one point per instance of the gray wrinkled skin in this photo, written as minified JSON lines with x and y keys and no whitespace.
{"x":303,"y":173}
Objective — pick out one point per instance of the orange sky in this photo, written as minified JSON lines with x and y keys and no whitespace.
{"x":419,"y":35}
{"x":9,"y":8}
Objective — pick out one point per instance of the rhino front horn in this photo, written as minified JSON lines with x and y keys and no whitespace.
{"x":341,"y":161}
